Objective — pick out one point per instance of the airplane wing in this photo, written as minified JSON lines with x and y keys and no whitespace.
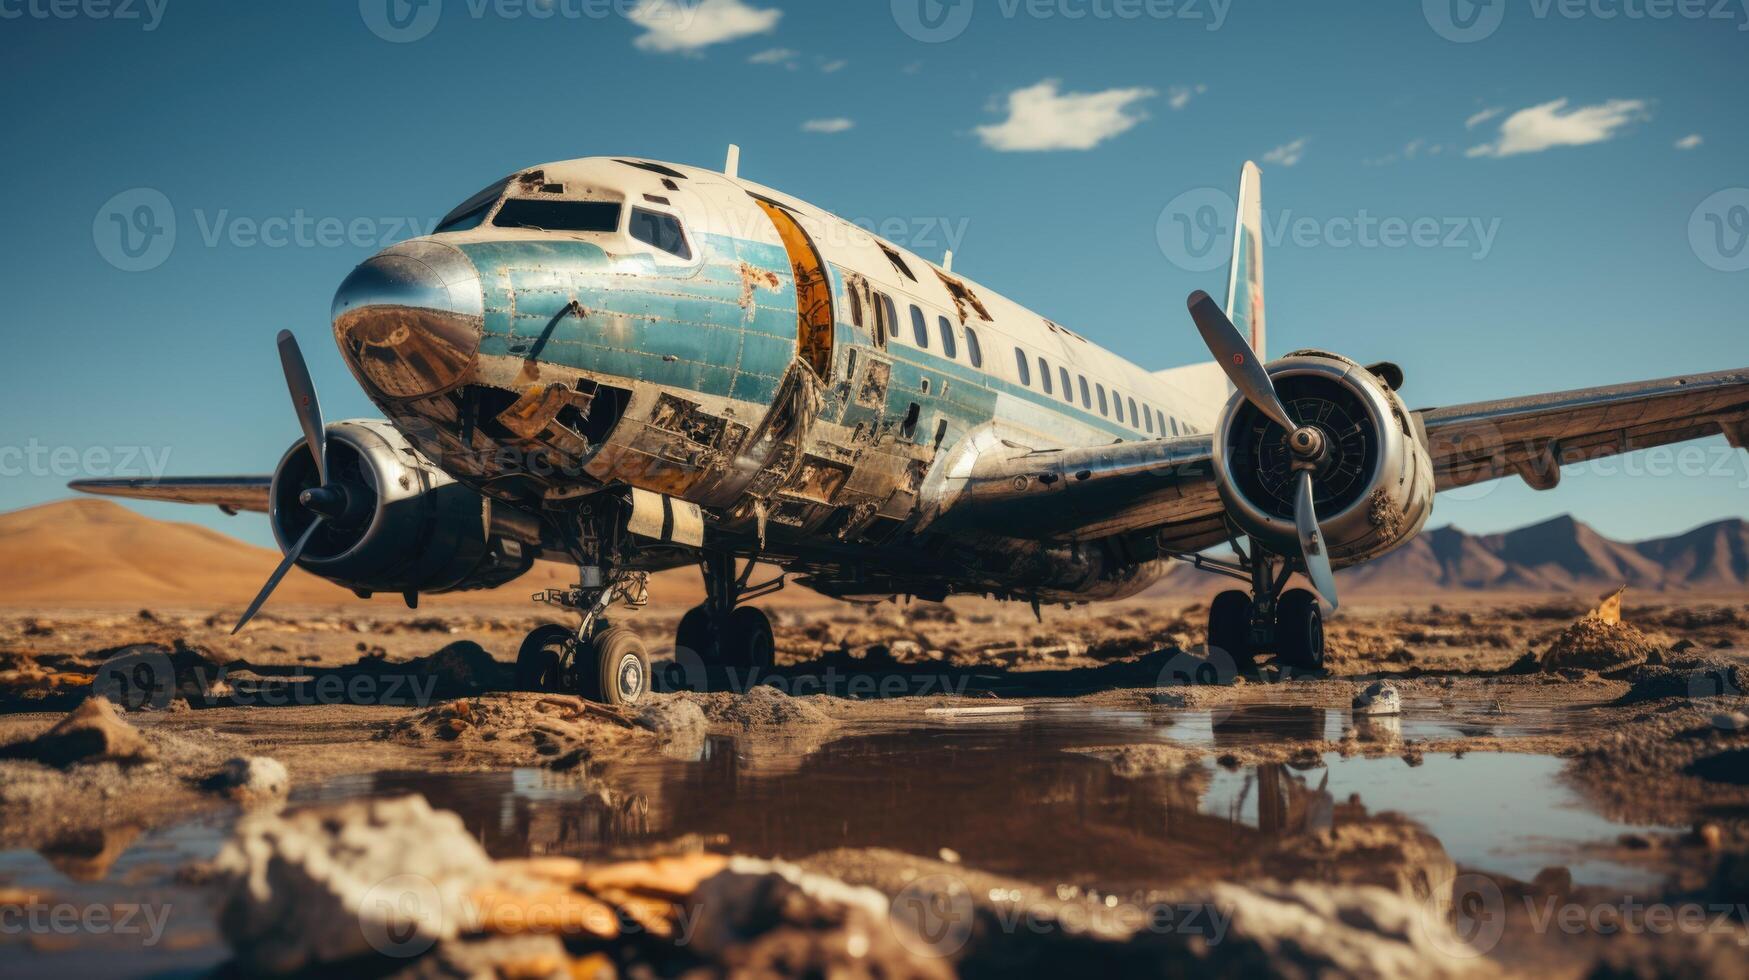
{"x":228,"y":493}
{"x":1167,"y":486}
{"x":1534,"y":436}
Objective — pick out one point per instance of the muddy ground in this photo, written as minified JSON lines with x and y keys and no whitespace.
{"x":1094,"y":794}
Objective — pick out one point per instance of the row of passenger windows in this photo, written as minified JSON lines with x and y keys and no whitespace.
{"x":1112,"y":404}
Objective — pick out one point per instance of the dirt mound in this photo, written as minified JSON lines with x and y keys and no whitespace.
{"x":762,"y":707}
{"x":1595,"y":644}
{"x":557,"y":730}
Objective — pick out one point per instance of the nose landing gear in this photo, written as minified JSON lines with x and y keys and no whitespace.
{"x":599,"y":661}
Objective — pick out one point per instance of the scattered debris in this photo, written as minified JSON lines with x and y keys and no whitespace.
{"x":252,"y":779}
{"x":1601,"y":641}
{"x":93,"y":732}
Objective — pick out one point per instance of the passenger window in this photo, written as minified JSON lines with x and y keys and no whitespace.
{"x":855,"y":308}
{"x":973,"y":348}
{"x":1133,"y":422}
{"x":1086,"y":396}
{"x":1068,"y":391}
{"x":1148,"y":418}
{"x":1020,"y":362}
{"x":1044,"y":374}
{"x":661,"y":230}
{"x":1117,"y":405}
{"x":919,"y":327}
{"x":1174,"y":426}
{"x":890,"y":318}
{"x":1104,"y":408}
{"x":949,"y":346}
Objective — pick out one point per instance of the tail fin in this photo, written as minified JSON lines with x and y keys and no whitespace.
{"x":1245,"y":276}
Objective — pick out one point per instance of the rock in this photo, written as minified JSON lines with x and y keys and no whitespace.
{"x":92,"y":732}
{"x":320,"y":885}
{"x":672,"y":718}
{"x":1379,"y":698}
{"x":252,"y":778}
{"x":1730,"y":721}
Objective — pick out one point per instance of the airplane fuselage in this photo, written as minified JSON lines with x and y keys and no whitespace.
{"x":605,"y":321}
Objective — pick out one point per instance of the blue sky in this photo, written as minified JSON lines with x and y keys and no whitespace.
{"x":1556,"y":157}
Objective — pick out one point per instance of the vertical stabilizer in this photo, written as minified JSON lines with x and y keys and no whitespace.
{"x":1245,"y":276}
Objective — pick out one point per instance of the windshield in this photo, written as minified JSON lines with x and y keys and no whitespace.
{"x":523,"y":212}
{"x":468,"y":214}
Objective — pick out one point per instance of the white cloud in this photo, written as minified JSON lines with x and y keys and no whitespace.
{"x":1287,"y":154}
{"x":912,"y":68}
{"x":1689,"y":142}
{"x":835,"y":125}
{"x":1482,"y":117}
{"x":773,"y":56}
{"x":833,"y":66}
{"x":1552,"y":124}
{"x":1179,"y":96}
{"x":1042,"y":118}
{"x":679,"y":26}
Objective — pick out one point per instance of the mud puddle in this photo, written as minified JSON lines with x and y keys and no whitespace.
{"x":1033,"y":795}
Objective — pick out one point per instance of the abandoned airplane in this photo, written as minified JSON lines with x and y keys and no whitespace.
{"x":632,"y":366}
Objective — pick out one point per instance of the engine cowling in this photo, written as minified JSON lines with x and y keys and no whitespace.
{"x":1374,"y":489}
{"x":406,"y":526}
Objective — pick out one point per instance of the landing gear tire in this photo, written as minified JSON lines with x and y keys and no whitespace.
{"x":1230,"y":627}
{"x":747,"y":640}
{"x":1299,"y":631}
{"x":696,"y":633}
{"x":541,"y":659}
{"x":613,"y":668}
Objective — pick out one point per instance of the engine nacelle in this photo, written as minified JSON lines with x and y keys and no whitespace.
{"x":406,"y":527}
{"x":1373,"y":491}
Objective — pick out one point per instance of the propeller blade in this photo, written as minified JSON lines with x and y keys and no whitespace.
{"x":1312,"y":542}
{"x":303,"y":396}
{"x":1236,"y":357}
{"x":291,"y":558}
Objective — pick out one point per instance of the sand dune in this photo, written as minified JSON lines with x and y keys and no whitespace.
{"x":90,"y":552}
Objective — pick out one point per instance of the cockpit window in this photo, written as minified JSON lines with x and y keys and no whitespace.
{"x":661,"y":230}
{"x":548,"y":215}
{"x":468,"y":214}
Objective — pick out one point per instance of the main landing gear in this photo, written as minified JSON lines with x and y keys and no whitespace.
{"x":598,"y":660}
{"x":1288,"y":623}
{"x":722,"y":631}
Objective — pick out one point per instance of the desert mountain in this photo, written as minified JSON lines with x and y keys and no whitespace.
{"x":1561,"y":555}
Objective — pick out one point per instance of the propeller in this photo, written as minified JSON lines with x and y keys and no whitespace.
{"x":326,"y":500}
{"x":1305,"y":442}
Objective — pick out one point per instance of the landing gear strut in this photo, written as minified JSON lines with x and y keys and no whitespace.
{"x":1268,"y":618}
{"x":722,"y":631}
{"x":598,"y":660}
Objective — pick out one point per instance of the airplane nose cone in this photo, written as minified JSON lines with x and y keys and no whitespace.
{"x":409,"y":319}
